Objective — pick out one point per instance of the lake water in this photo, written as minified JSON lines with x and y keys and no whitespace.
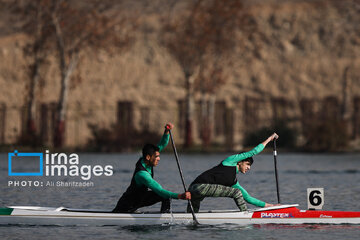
{"x":338,"y":174}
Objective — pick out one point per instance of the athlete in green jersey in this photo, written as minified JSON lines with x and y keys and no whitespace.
{"x":220,"y":181}
{"x":144,"y":190}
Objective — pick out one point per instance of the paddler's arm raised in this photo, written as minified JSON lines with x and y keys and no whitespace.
{"x":234,"y":159}
{"x":165,"y":138}
{"x":269,"y":139}
{"x":144,"y":178}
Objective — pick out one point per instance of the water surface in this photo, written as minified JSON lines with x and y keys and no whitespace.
{"x":338,"y":174}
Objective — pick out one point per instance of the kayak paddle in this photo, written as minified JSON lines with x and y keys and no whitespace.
{"x":276,"y":173}
{"x":181,"y":175}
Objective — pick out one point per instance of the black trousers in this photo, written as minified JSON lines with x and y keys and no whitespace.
{"x":129,"y":204}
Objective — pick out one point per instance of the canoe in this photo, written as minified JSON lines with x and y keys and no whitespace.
{"x":284,"y":214}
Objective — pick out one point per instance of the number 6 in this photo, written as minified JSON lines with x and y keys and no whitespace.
{"x":315,"y":198}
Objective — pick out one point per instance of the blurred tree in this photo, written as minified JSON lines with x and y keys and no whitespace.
{"x":68,"y":28}
{"x":31,"y":18}
{"x":200,"y":39}
{"x":78,"y":29}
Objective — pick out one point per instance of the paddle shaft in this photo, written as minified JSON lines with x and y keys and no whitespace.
{"x":276,"y":173}
{"x":181,"y":175}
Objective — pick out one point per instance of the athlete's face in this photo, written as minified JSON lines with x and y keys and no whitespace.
{"x":244,"y":166}
{"x":154,"y":159}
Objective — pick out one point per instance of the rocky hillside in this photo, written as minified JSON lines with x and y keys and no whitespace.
{"x":301,"y":50}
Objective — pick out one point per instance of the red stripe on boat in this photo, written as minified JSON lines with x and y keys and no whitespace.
{"x":293,"y":212}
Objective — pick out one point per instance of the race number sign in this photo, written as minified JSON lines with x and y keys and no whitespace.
{"x":315,"y":198}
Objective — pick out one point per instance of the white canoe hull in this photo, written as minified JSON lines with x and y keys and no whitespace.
{"x":285,"y":214}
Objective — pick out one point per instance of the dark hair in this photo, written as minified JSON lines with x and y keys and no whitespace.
{"x":249,"y":159}
{"x":149,"y":149}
